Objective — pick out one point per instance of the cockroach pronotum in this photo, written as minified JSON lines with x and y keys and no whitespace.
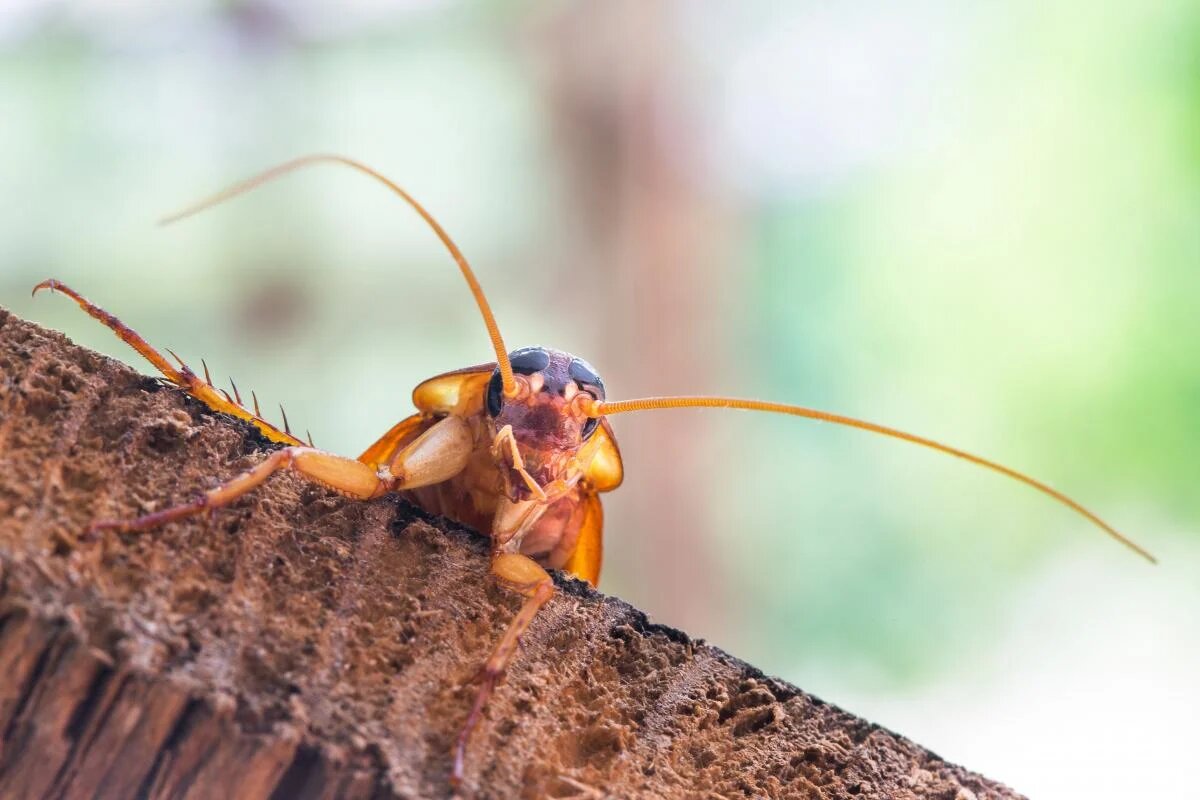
{"x":520,"y":448}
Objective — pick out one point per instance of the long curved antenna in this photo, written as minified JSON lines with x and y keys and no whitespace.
{"x":606,"y":408}
{"x":241,"y":187}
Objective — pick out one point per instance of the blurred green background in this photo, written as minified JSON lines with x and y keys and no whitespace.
{"x":978,"y":222}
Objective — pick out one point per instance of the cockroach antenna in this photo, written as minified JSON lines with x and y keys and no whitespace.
{"x":241,"y":187}
{"x":608,"y":408}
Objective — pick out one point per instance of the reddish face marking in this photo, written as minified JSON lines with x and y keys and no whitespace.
{"x":547,"y":415}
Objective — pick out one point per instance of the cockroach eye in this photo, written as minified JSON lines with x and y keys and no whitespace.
{"x":585,"y":375}
{"x":495,"y":394}
{"x":589,"y":428}
{"x":529,"y":360}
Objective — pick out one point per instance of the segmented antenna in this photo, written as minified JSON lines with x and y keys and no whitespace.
{"x":608,"y":408}
{"x":241,"y":187}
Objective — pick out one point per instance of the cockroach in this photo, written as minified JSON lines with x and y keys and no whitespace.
{"x":520,"y":448}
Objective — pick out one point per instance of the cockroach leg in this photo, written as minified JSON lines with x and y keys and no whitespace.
{"x":351,"y":478}
{"x":511,"y":520}
{"x":183,"y":377}
{"x":506,"y":436}
{"x":522,"y":574}
{"x":436,"y":455}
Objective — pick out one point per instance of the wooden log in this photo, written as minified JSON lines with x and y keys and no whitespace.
{"x":298,"y":645}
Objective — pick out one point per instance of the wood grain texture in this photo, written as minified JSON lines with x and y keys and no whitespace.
{"x":297,"y":645}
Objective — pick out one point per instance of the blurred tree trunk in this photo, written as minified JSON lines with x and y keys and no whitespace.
{"x":647,"y":235}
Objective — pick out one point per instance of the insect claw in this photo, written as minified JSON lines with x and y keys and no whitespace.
{"x":286,"y":428}
{"x":237,"y":395}
{"x":49,"y":283}
{"x":207,"y":377}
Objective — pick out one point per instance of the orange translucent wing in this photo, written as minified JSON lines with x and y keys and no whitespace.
{"x":460,"y":392}
{"x":589,"y":549}
{"x":401,"y":434}
{"x":605,"y":472}
{"x":183,"y":377}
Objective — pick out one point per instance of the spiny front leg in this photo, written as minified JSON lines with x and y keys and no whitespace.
{"x":183,"y":377}
{"x":436,"y":455}
{"x":522,"y":574}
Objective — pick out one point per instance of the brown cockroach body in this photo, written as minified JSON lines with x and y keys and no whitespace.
{"x":537,"y":459}
{"x":519,"y":448}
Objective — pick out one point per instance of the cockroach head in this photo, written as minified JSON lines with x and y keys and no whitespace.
{"x":546,"y":418}
{"x":554,"y":391}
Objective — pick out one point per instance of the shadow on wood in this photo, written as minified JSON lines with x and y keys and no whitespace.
{"x":297,"y":645}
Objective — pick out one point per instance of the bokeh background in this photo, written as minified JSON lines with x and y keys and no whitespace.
{"x":980,"y":222}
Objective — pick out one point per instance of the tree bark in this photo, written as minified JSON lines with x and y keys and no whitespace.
{"x":299,"y":645}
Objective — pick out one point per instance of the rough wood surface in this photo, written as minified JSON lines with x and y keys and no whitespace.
{"x":298,"y":645}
